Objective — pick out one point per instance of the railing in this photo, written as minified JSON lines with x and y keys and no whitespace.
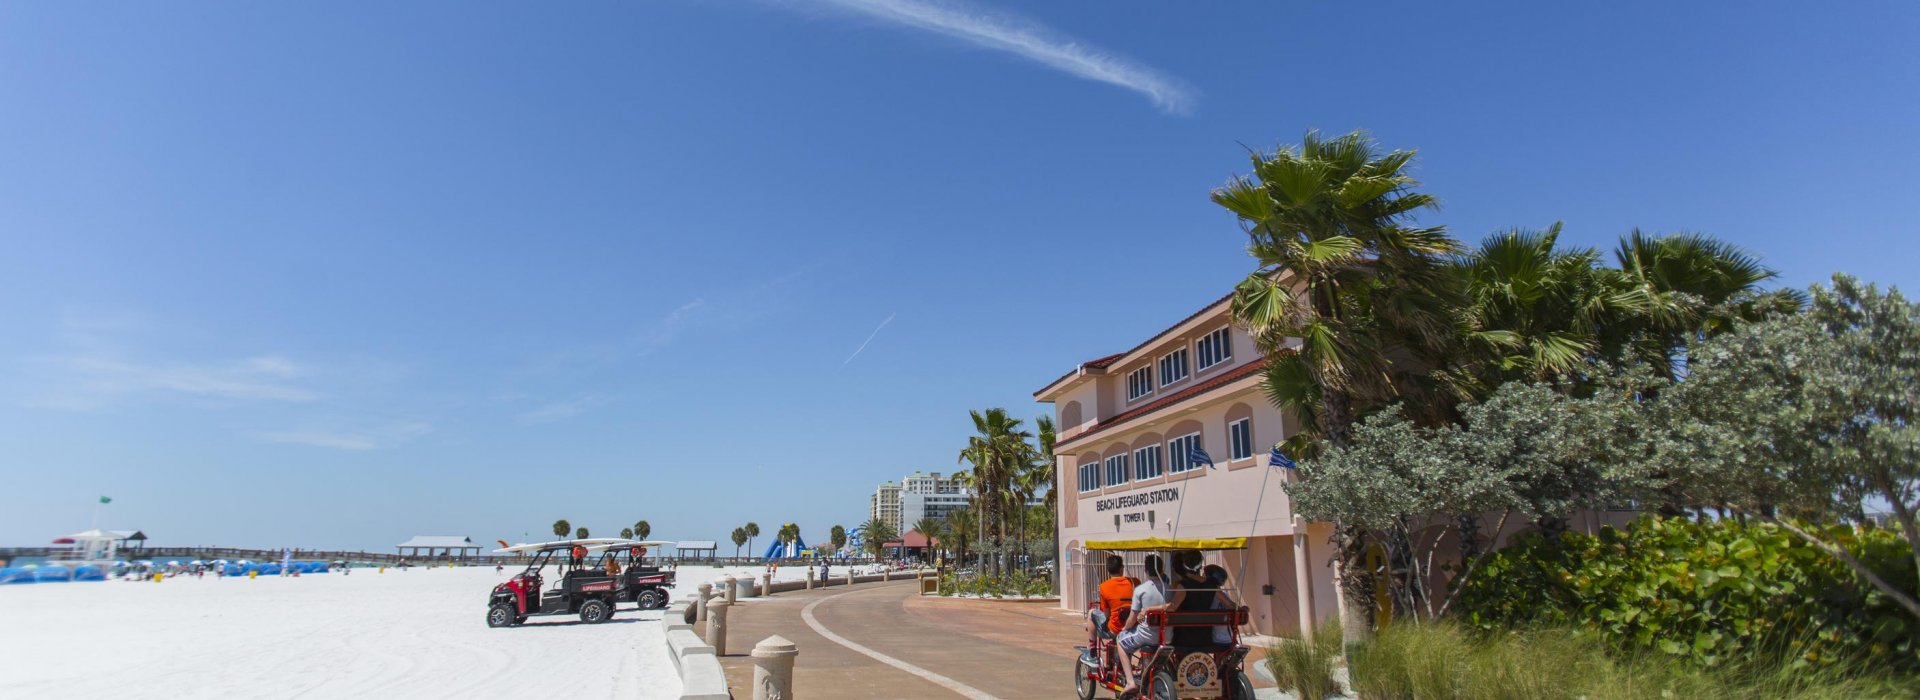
{"x":272,"y":555}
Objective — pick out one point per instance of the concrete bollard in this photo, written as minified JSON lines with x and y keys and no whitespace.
{"x":733,"y":590}
{"x":766,"y":585}
{"x":886,"y":575}
{"x":849,"y":575}
{"x":809,"y":579}
{"x":700,"y":605}
{"x":773,"y":668}
{"x":717,"y":625}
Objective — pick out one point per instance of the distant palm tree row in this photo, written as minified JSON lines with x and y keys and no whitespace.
{"x":640,"y":530}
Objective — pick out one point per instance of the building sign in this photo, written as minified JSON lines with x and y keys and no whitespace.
{"x":1134,"y":501}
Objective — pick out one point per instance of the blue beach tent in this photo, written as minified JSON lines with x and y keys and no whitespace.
{"x":89,"y":573}
{"x":45,"y":574}
{"x":15,"y":574}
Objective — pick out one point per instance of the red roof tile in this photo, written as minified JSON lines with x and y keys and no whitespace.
{"x":1104,"y":362}
{"x":1235,"y":374}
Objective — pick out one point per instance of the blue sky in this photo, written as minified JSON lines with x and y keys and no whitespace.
{"x":310,"y":275}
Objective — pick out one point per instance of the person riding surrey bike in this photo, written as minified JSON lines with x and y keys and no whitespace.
{"x":1139,"y":635}
{"x":1116,"y":594}
{"x":1192,"y":593}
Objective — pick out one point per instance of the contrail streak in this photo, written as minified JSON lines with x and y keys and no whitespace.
{"x":1028,"y":40}
{"x":870,"y":337}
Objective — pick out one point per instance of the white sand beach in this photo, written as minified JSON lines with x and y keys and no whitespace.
{"x":412,"y":634}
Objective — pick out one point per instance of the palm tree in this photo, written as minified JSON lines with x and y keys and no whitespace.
{"x":930,"y":529}
{"x":838,"y":537}
{"x":996,"y":450}
{"x":641,"y":529}
{"x":1341,"y":269}
{"x":877,"y":533}
{"x":739,"y":538}
{"x":1683,"y":288}
{"x":960,"y":523}
{"x":626,"y":533}
{"x":788,"y":533}
{"x":580,"y":533}
{"x":1044,"y":473}
{"x":561,"y":527}
{"x":1532,"y":310}
{"x":752,"y":530}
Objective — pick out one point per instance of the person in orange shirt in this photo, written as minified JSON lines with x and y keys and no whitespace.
{"x":1116,"y":594}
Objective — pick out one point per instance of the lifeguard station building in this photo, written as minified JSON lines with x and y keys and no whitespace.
{"x":1128,"y":425}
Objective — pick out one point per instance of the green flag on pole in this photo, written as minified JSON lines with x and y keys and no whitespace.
{"x":104,"y":499}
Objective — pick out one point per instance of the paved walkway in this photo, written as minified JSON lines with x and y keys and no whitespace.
{"x":886,"y":641}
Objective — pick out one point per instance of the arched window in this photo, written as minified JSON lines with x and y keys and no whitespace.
{"x":1181,"y":441}
{"x":1148,"y":458}
{"x":1240,"y":442}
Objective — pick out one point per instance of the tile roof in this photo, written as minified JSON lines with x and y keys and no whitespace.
{"x":1104,"y":362}
{"x":1228,"y":377}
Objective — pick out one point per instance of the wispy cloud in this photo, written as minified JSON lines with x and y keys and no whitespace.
{"x":560,"y":410}
{"x":374,"y":438}
{"x":98,"y":362}
{"x":1026,"y":39}
{"x":87,"y":381}
{"x":869,"y":340}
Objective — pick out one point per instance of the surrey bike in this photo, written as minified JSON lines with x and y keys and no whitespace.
{"x":1170,"y":671}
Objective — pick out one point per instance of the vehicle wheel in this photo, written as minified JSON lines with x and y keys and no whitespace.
{"x":501,"y":616}
{"x":651,"y":599}
{"x":1162,"y":686}
{"x":1083,"y":686}
{"x":595,"y":611}
{"x":1240,"y":688}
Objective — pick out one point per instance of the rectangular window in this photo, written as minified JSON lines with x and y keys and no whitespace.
{"x":1177,"y":451}
{"x":1173,"y":367}
{"x":1117,"y":470}
{"x":1240,"y":433}
{"x":1090,"y":476}
{"x":1146,"y":463}
{"x":1216,"y":347}
{"x":1139,"y":383}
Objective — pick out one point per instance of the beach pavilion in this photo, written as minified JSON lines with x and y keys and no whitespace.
{"x":449,"y":546}
{"x":695,"y":550}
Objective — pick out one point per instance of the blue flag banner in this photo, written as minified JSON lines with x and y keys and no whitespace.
{"x":1279,"y":460}
{"x":1199,"y":456}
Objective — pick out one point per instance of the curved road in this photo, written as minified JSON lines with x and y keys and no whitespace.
{"x":885,"y":641}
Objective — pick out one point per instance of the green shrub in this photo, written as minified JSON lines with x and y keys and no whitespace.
{"x":1706,"y":594}
{"x":1306,"y":668}
{"x":1018,"y":583}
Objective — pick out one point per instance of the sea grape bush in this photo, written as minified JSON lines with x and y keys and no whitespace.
{"x":1708,"y":593}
